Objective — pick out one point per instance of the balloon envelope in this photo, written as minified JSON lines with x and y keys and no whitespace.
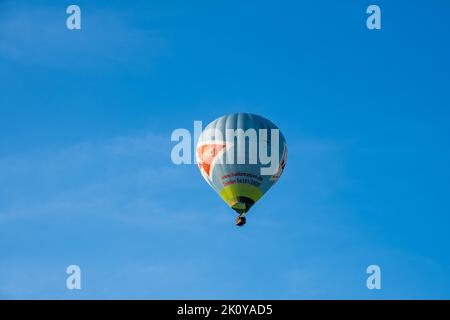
{"x":233,"y":166}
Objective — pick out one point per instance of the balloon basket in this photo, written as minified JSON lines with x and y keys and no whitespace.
{"x":240,"y":221}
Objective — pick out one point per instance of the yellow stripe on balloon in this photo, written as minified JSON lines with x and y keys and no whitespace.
{"x":230,"y":193}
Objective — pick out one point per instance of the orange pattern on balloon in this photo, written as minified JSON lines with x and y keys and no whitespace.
{"x":206,"y":155}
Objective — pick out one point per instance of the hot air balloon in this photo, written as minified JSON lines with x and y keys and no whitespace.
{"x":241,"y":156}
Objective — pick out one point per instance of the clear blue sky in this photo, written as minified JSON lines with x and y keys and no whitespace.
{"x":85,"y":170}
